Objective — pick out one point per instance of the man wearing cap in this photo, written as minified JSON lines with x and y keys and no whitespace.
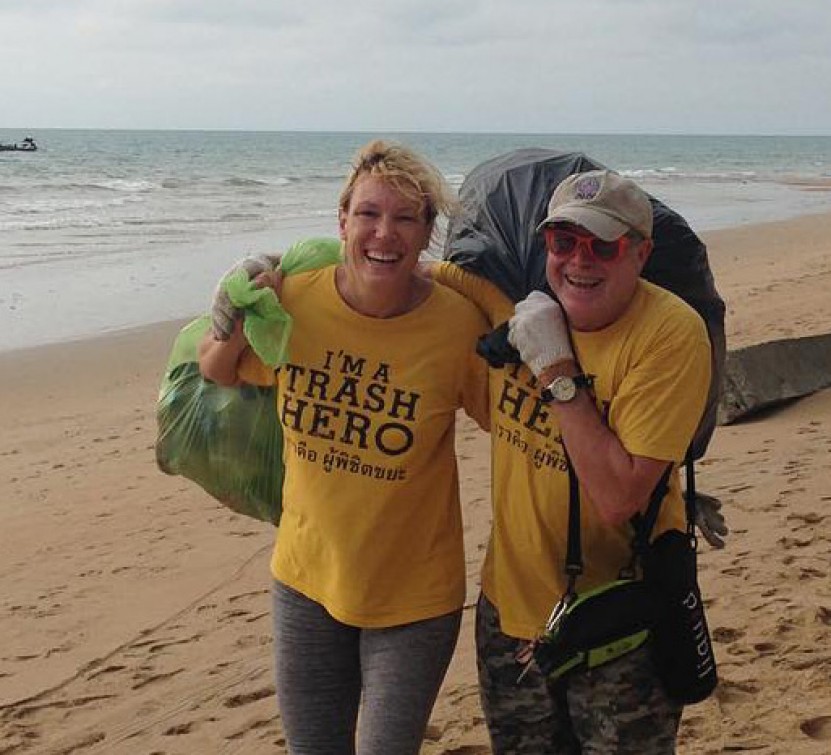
{"x":617,"y":373}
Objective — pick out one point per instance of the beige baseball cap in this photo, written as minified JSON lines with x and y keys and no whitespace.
{"x":603,"y":202}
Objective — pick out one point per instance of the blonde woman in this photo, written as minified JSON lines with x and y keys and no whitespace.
{"x":368,"y":565}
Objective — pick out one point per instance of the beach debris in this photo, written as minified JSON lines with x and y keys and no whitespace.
{"x":766,"y":374}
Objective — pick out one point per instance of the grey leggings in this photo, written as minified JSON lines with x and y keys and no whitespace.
{"x":326,"y":669}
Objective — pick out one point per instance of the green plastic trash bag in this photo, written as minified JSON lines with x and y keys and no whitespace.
{"x":229,"y":440}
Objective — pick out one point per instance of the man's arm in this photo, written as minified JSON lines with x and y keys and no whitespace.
{"x":618,"y":481}
{"x":619,"y":484}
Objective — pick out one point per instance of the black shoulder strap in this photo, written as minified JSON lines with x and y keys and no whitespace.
{"x":645,"y":523}
{"x":574,"y":551}
{"x":642,"y":524}
{"x":689,"y":496}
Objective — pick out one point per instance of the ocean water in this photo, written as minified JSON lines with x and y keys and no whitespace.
{"x":103,"y":230}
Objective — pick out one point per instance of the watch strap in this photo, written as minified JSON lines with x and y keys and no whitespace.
{"x":580,"y":381}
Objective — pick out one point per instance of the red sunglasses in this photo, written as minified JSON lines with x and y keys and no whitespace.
{"x":563,"y":243}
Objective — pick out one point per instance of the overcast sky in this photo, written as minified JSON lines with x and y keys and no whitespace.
{"x":553,"y":66}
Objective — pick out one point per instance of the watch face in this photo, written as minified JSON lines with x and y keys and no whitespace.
{"x":563,"y":388}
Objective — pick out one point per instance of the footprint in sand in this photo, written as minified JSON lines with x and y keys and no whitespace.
{"x":234,"y":614}
{"x":246,"y":698}
{"x":106,"y":670}
{"x":811,"y":429}
{"x":162,"y":644}
{"x":259,"y":723}
{"x":808,"y":519}
{"x":249,"y":594}
{"x":785,"y":625}
{"x":252,"y":640}
{"x":727,"y":635}
{"x":817,"y":728}
{"x":64,"y":647}
{"x":179,"y":729}
{"x":735,"y":692}
{"x":734,"y":571}
{"x":153,"y":678}
{"x":84,"y":743}
{"x":796,"y":542}
{"x":766,"y":648}
{"x":807,"y":572}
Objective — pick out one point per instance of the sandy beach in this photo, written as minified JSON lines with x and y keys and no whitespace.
{"x":134,"y":609}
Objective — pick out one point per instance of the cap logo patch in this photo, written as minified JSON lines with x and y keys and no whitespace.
{"x":586,"y":188}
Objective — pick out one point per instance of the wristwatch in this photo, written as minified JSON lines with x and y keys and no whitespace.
{"x":563,"y":388}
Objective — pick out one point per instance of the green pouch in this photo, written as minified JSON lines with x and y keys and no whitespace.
{"x":595,"y":628}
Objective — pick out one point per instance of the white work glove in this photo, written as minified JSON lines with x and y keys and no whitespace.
{"x":223,"y":313}
{"x":539,"y":332}
{"x":710,"y":520}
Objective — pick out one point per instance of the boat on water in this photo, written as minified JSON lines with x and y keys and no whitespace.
{"x":27,"y":145}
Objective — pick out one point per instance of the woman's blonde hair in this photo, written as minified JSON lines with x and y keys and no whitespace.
{"x":407,"y":172}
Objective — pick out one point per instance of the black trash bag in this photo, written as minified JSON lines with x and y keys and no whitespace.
{"x":505,"y":198}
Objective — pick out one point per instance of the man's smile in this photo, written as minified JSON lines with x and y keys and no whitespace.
{"x":581,"y":282}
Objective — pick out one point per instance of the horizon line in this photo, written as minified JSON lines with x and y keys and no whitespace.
{"x":422,"y":132}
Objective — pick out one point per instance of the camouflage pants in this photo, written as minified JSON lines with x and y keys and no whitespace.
{"x":616,"y":709}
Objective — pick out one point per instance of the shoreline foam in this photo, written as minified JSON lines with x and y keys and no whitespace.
{"x":155,"y":291}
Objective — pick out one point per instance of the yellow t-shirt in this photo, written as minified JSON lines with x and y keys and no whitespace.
{"x":371,"y":525}
{"x":652,"y":373}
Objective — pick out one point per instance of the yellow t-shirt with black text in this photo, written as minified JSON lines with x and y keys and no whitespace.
{"x":652,"y":374}
{"x":371,"y":525}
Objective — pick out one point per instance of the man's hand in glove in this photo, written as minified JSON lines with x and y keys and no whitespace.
{"x":539,"y":332}
{"x":223,"y":313}
{"x":710,"y":520}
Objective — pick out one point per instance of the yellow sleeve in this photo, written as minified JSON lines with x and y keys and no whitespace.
{"x":660,"y":400}
{"x":476,"y":395}
{"x":251,"y":370}
{"x":491,"y":301}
